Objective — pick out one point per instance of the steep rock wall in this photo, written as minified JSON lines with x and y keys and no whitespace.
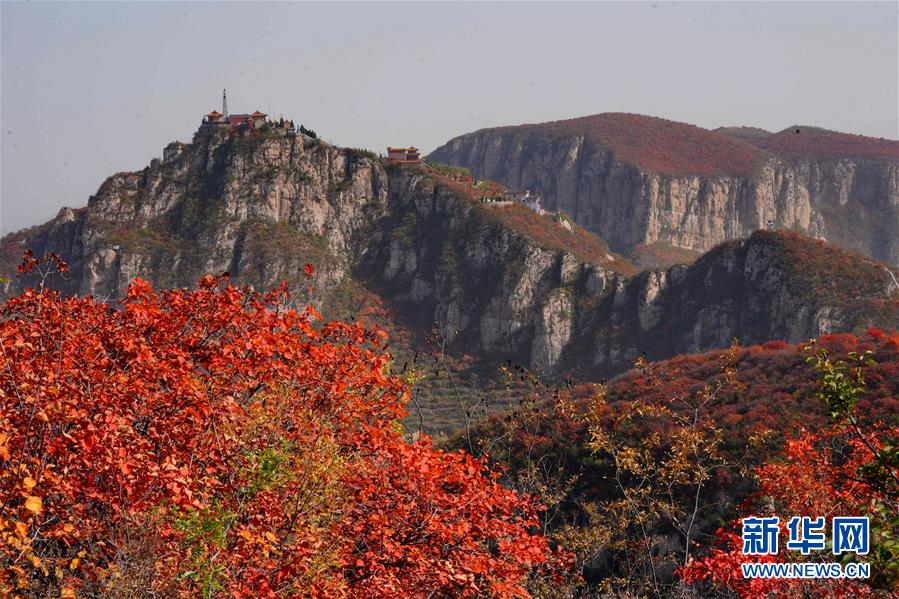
{"x":851,"y":201}
{"x":258,"y":207}
{"x":489,"y":289}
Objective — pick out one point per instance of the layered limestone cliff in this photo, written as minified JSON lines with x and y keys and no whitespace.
{"x":496,"y":293}
{"x":773,"y":285}
{"x":497,"y":282}
{"x":447,"y":261}
{"x":256,"y":206}
{"x":635,"y":181}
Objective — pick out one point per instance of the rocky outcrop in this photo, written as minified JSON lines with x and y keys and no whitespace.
{"x":256,"y":206}
{"x":489,"y":289}
{"x":773,"y":285}
{"x":853,"y":201}
{"x":495,"y":287}
{"x":497,"y":294}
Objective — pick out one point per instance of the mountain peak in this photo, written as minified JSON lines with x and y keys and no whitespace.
{"x":654,"y":144}
{"x":835,"y":275}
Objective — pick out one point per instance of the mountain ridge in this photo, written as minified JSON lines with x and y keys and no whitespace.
{"x":495,"y":283}
{"x":850,"y":199}
{"x":656,"y":144}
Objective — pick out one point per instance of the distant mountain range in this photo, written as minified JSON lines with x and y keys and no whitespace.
{"x":412,"y":248}
{"x":639,"y":181}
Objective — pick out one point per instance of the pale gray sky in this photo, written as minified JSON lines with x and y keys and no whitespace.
{"x":89,"y":89}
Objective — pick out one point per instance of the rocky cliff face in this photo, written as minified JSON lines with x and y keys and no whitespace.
{"x":699,"y":195}
{"x":258,"y":207}
{"x":492,"y":291}
{"x":497,"y":294}
{"x":499,"y":284}
{"x":773,"y":285}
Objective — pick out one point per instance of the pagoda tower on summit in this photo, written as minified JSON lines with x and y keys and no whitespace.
{"x":225,"y":105}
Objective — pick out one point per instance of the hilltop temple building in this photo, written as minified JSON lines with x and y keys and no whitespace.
{"x":256,"y":120}
{"x":403,"y":155}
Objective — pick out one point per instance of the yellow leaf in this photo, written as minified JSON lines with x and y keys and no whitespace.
{"x":21,"y":529}
{"x":67,"y":593}
{"x":74,"y":563}
{"x":29,"y":482}
{"x":34,"y":504}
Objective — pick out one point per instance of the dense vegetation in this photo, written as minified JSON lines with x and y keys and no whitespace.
{"x":848,"y":466}
{"x":657,"y":145}
{"x":208,"y":442}
{"x":447,"y":169}
{"x":639,"y":473}
{"x":801,"y":141}
{"x":835,"y":277}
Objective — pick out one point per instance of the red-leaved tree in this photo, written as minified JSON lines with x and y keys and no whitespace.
{"x":849,"y":468}
{"x":212,"y":442}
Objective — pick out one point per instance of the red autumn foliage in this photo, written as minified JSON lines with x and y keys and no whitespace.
{"x":818,"y":474}
{"x":549,"y":233}
{"x":212,"y":439}
{"x":657,"y":145}
{"x":776,"y":400}
{"x":777,"y":396}
{"x":779,"y":386}
{"x":801,"y":141}
{"x":760,"y":420}
{"x":838,"y":276}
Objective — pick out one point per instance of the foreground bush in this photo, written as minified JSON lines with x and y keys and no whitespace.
{"x":212,"y":442}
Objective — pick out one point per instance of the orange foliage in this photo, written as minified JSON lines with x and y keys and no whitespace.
{"x":250,"y":449}
{"x":817,"y":475}
{"x":658,"y":145}
{"x":815,"y":142}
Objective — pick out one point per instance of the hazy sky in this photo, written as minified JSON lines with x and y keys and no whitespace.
{"x":89,"y":89}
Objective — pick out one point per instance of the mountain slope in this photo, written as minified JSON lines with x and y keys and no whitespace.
{"x":497,"y":294}
{"x":496,"y":291}
{"x":772,"y":285}
{"x":496,"y":283}
{"x":767,"y":398}
{"x":637,"y":180}
{"x":256,"y":206}
{"x":653,"y":144}
{"x":801,"y":141}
